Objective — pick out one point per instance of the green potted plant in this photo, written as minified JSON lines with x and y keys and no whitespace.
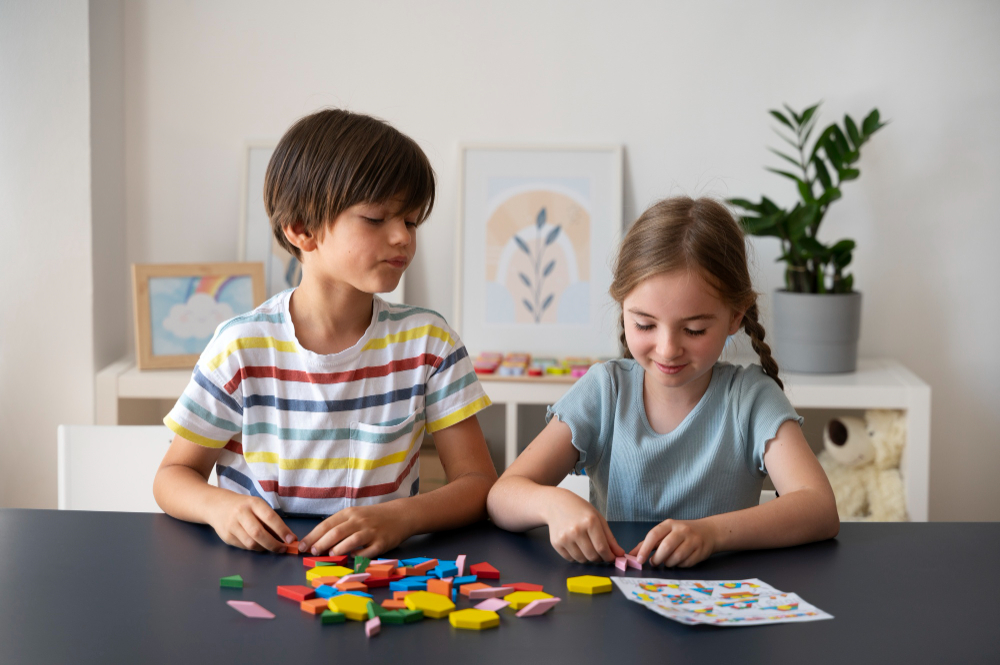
{"x":817,"y":316}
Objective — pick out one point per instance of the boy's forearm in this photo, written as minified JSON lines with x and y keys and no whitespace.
{"x":183,"y":493}
{"x":462,"y":501}
{"x":803,"y":516}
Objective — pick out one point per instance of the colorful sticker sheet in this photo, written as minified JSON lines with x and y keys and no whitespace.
{"x":719,"y":602}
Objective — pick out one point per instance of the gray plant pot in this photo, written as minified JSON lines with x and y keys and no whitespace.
{"x":817,"y":334}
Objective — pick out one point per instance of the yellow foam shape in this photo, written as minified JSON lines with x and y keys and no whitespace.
{"x":327,"y":571}
{"x":353,"y":607}
{"x":473,"y":619}
{"x":519,"y":599}
{"x":589,"y":584}
{"x":432,"y":605}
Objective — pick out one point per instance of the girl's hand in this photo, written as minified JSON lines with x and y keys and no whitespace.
{"x":249,"y":522}
{"x":577,"y":531}
{"x":680,"y":543}
{"x":363,"y":530}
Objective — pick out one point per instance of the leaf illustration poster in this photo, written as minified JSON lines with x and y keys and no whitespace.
{"x":539,"y":231}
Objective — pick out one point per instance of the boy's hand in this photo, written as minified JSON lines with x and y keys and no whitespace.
{"x":676,"y":543}
{"x":363,"y":530}
{"x":248,"y":522}
{"x":577,"y":531}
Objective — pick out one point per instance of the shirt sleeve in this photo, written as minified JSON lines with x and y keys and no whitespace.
{"x":454,"y":393}
{"x":763,"y":408}
{"x":588,"y":408}
{"x":210,"y":411}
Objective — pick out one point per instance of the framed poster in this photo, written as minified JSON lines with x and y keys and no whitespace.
{"x":538,"y":230}
{"x":257,"y":242}
{"x":178,"y":307}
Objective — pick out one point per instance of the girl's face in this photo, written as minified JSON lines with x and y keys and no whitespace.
{"x":676,"y":327}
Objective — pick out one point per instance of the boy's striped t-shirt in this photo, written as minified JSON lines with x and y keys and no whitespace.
{"x":312,"y":434}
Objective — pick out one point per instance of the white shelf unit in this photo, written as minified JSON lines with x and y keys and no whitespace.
{"x":879,"y":383}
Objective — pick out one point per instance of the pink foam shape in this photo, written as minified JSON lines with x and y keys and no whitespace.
{"x":353,"y":577}
{"x":373,"y":627}
{"x":250,"y":609}
{"x":492,"y":592}
{"x":492,"y":604}
{"x":386,"y":562}
{"x":633,"y":562}
{"x":460,"y":563}
{"x":621,"y":563}
{"x":537,"y":607}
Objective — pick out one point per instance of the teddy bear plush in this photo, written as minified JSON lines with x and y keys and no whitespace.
{"x":861,"y":459}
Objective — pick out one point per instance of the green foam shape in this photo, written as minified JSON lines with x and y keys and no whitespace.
{"x":231,"y":582}
{"x":330,"y":616}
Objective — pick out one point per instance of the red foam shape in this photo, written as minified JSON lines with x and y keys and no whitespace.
{"x":484,"y":571}
{"x":525,"y":586}
{"x":297,"y":593}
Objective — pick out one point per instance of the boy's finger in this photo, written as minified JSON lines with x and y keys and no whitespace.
{"x":666,"y":548}
{"x":587,"y":549}
{"x":355,"y":541}
{"x":653,"y":538}
{"x":600,"y":542}
{"x":258,"y":532}
{"x":319,"y":531}
{"x":329,"y":541}
{"x":616,"y":549}
{"x":274,"y":523}
{"x":574,"y":553}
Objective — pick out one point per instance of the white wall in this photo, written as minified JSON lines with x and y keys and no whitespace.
{"x":46,"y":321}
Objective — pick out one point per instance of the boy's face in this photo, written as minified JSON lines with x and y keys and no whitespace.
{"x":368,"y":246}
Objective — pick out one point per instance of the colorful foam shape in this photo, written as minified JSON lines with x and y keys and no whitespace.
{"x":538,"y":607}
{"x":361,"y":563}
{"x":313,"y":561}
{"x":440,"y":587}
{"x":328,"y":571}
{"x":484,"y":571}
{"x":466,"y":589}
{"x":525,"y":586}
{"x":633,"y":562}
{"x":250,"y":609}
{"x":231,"y":582}
{"x":347,"y":587}
{"x":492,"y":604}
{"x":296,"y":593}
{"x":317,"y":582}
{"x":415,"y":561}
{"x":520,"y":599}
{"x":490,"y":592}
{"x":390,"y":604}
{"x":589,"y":584}
{"x":431,"y":604}
{"x":464,"y":579}
{"x":330,"y":616}
{"x":357,"y":577}
{"x":314,"y":605}
{"x":621,"y":563}
{"x":460,"y":564}
{"x":353,"y":607}
{"x":473,"y":619}
{"x":327,"y":591}
{"x":373,"y":627}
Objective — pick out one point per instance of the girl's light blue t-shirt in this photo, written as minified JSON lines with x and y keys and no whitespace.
{"x":712,"y":463}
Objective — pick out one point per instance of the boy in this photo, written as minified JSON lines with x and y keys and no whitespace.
{"x":316,"y":402}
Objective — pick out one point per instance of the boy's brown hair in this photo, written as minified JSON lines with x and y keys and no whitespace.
{"x":334,"y":159}
{"x":699,"y":234}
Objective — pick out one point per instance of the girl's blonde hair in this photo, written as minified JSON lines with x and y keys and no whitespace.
{"x":697,"y":234}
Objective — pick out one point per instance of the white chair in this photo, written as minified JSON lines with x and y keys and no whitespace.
{"x":111,"y":467}
{"x":580,"y":485}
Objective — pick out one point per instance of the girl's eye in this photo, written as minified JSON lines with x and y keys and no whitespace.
{"x":694,"y":333}
{"x":371,"y":220}
{"x":411,"y":225}
{"x":639,"y":326}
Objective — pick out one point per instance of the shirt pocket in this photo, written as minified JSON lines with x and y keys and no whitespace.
{"x":382,"y":455}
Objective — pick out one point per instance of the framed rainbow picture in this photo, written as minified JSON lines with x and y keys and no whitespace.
{"x":179,"y":306}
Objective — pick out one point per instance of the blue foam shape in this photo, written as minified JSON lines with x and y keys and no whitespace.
{"x":360,"y":593}
{"x":416,"y":561}
{"x":446,"y":570}
{"x":454,"y":595}
{"x":327,"y":591}
{"x":409,"y":584}
{"x":468,"y":579}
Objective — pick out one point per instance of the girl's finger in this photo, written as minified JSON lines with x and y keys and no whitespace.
{"x":574,"y":553}
{"x":561,"y":551}
{"x":666,"y":548}
{"x":243,"y":538}
{"x":682,"y":552}
{"x":587,"y":548}
{"x":332,"y":538}
{"x":259,"y":532}
{"x":313,"y":537}
{"x":652,"y":540}
{"x":614,"y":549}
{"x":355,"y":541}
{"x":272,"y":521}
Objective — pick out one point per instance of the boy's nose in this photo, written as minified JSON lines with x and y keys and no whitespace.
{"x":400,"y":233}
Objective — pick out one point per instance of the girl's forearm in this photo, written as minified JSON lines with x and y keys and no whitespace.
{"x":518,"y":503}
{"x":184,"y":493}
{"x":803,"y":516}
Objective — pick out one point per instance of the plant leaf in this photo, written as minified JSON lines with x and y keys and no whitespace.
{"x":782,"y":119}
{"x":845,"y":245}
{"x":808,"y":113}
{"x":553,"y":234}
{"x":548,"y":268}
{"x":814,"y":248}
{"x":745,"y":204}
{"x":822,"y":173}
{"x":547,"y":301}
{"x":821,"y":142}
{"x":852,"y":132}
{"x":833,"y":154}
{"x":784,"y":173}
{"x":805,"y":190}
{"x":760,"y":226}
{"x":796,"y":116}
{"x":528,"y":305}
{"x":829,"y":196}
{"x":870,"y":124}
{"x":785,"y":138}
{"x":769,"y":207}
{"x":795,"y":162}
{"x":523,"y":245}
{"x":524,"y":278}
{"x":540,"y":219}
{"x":849,"y":174}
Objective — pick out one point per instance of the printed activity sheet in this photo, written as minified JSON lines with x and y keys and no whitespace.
{"x":718,"y":602}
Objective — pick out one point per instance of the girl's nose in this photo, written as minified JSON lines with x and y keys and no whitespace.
{"x":667,"y":346}
{"x":400,"y":233}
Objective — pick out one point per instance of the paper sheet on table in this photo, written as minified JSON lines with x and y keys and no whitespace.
{"x":718,"y":602}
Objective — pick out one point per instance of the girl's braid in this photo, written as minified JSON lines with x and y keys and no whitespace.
{"x":756,"y":333}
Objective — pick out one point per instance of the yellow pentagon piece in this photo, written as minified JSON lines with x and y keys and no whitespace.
{"x":473,"y":619}
{"x":353,"y":607}
{"x":432,"y":605}
{"x":589,"y":584}
{"x":519,"y":599}
{"x":327,"y":571}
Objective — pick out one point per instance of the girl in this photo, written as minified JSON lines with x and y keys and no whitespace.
{"x":668,"y":433}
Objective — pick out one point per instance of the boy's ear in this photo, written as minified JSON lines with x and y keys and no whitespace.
{"x":297,"y":234}
{"x":736,"y":322}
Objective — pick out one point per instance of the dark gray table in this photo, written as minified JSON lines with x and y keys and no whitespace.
{"x":79,"y":587}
